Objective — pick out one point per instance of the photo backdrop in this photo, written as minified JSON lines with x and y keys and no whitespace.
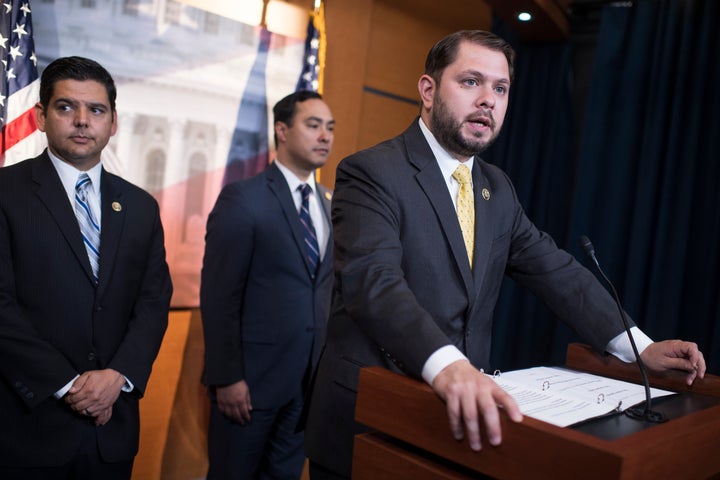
{"x":195,"y":93}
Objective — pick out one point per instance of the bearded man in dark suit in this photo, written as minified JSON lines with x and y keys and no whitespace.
{"x":424,"y":231}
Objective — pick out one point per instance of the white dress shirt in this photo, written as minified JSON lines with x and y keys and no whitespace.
{"x":317,"y":215}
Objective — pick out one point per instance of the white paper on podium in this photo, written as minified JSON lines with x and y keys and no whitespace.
{"x":564,"y":397}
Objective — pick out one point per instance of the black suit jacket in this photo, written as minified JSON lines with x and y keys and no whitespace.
{"x":404,"y":286}
{"x":55,"y":323}
{"x":264,"y":316}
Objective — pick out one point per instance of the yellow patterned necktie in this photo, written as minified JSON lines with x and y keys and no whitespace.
{"x":466,"y":209}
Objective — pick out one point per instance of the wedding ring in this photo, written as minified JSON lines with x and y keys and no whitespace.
{"x":87,"y":412}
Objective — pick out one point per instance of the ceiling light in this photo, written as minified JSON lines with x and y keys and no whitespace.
{"x":524,"y":17}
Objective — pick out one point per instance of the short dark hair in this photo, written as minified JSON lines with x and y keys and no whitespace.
{"x":444,"y":52}
{"x":284,"y":110}
{"x":74,"y":68}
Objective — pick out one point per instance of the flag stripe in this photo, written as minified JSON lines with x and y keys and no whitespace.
{"x":19,"y":84}
{"x":18,"y":129}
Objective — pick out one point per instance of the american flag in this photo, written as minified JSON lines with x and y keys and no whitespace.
{"x":248,"y":154}
{"x":311,"y":77}
{"x":19,"y":84}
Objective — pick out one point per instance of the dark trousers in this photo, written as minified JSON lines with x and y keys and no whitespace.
{"x":318,"y":472}
{"x":266,"y":447}
{"x":86,"y":465}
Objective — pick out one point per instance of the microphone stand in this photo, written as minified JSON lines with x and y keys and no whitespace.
{"x":642,"y":411}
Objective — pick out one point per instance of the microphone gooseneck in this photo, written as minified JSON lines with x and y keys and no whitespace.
{"x":642,"y":411}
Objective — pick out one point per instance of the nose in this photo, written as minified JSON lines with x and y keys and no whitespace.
{"x":486,"y":98}
{"x":325,"y":134}
{"x":81,"y":117}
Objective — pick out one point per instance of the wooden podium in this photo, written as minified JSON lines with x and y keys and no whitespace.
{"x":413,"y":438}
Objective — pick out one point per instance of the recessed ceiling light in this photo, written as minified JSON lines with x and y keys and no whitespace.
{"x":524,"y":17}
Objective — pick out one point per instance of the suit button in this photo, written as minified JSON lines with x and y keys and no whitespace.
{"x":309,"y":329}
{"x":91,"y":356}
{"x":98,"y":309}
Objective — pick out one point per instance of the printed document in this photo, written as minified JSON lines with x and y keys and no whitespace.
{"x":564,"y":397}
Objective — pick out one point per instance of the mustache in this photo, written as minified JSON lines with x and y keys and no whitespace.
{"x":482,"y":116}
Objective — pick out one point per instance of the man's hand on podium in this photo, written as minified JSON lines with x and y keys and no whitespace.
{"x":675,"y":355}
{"x":469,"y":396}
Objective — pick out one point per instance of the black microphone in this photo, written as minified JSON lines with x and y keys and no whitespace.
{"x":643,"y":410}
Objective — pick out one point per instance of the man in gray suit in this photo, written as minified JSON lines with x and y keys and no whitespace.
{"x":421,"y":250}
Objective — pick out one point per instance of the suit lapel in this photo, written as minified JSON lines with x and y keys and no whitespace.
{"x":111,"y":227}
{"x":483,"y":226}
{"x":326,"y":202}
{"x":429,"y":177}
{"x":280,"y":189}
{"x":50,"y":190}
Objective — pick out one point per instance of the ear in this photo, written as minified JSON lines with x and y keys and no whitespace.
{"x":114,"y":123}
{"x":40,"y":117}
{"x":426,"y":87}
{"x":281,"y":129}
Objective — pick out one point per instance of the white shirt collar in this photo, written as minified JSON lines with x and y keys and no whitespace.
{"x":292,"y":180}
{"x":69,"y":175}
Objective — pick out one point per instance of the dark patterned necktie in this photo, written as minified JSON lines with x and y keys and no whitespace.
{"x":313,"y":252}
{"x":89,"y":226}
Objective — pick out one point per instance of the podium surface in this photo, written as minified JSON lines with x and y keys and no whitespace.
{"x":413,"y":438}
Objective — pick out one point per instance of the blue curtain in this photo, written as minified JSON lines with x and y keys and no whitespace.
{"x":536,"y":149}
{"x":645,"y":184}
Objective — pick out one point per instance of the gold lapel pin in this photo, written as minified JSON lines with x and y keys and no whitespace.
{"x":116,"y":206}
{"x":486,"y":194}
{"x":328,"y":196}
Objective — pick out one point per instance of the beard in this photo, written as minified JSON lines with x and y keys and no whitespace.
{"x":448,"y":131}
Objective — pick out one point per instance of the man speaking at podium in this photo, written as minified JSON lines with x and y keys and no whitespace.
{"x":424,"y":233}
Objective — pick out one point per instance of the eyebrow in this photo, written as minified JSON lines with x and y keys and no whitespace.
{"x":484,"y":76}
{"x":318,"y":119}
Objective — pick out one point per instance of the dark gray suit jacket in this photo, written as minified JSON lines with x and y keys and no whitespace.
{"x":264,"y":316}
{"x":55,"y":323}
{"x":404,"y":286}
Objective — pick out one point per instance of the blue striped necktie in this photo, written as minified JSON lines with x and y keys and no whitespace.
{"x":89,"y":226}
{"x":313,"y":252}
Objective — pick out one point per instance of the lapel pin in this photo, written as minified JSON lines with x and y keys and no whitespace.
{"x":486,"y":194}
{"x":328,"y":196}
{"x":116,"y":206}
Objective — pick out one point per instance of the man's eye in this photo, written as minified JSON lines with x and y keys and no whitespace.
{"x":471,"y":82}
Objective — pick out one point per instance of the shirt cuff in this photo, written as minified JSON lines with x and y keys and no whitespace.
{"x":620,"y":346}
{"x":440,"y":359}
{"x":61,"y":393}
{"x":128,"y":387}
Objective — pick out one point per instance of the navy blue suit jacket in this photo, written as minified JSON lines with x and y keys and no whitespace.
{"x":55,"y":323}
{"x":264,"y":316}
{"x":404,"y":286}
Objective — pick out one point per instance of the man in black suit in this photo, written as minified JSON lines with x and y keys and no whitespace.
{"x":421,"y":250}
{"x":82,"y":312}
{"x":265,"y":298}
